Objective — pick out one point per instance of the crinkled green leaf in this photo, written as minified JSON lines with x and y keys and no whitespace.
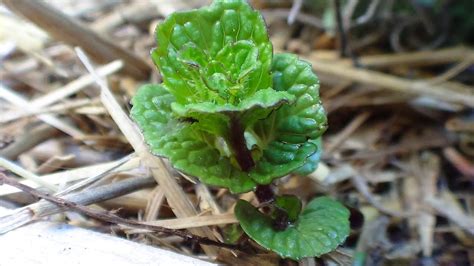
{"x":289,"y":136}
{"x":320,"y":228}
{"x":215,"y":63}
{"x":214,"y":117}
{"x":217,"y":54}
{"x":283,"y":142}
{"x":312,"y":162}
{"x":305,"y":119}
{"x":189,"y":150}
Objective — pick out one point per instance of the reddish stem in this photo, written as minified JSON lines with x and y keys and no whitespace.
{"x":239,"y":146}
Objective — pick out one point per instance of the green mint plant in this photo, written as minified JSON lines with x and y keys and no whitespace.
{"x":235,"y":115}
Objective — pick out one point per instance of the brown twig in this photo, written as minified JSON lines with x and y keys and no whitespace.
{"x":111,"y":218}
{"x":43,"y":208}
{"x":29,"y":139}
{"x":459,"y":161}
{"x":346,"y":132}
{"x":340,"y":29}
{"x":361,"y":185}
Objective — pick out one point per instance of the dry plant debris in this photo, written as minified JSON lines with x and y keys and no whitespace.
{"x":399,"y":151}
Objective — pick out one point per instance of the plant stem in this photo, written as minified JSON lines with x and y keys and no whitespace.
{"x":244,"y":158}
{"x":239,"y":146}
{"x":265,"y":193}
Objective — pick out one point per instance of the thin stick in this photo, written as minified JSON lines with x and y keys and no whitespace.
{"x":31,"y":138}
{"x":26,"y":174}
{"x":295,"y":9}
{"x":58,"y":108}
{"x":454,"y":71}
{"x":76,"y":174}
{"x":111,"y":218}
{"x":340,"y":28}
{"x":360,"y":184}
{"x":447,"y":208}
{"x":93,"y":179}
{"x":22,"y":216}
{"x":346,"y":132}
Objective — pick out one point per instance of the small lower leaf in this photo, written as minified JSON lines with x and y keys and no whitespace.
{"x":320,"y":228}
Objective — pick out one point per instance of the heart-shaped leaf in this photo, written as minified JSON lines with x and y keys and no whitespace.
{"x":320,"y":228}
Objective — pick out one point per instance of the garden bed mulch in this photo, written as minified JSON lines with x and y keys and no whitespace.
{"x":399,"y":151}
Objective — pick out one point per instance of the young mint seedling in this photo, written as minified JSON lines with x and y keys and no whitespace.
{"x":235,"y":115}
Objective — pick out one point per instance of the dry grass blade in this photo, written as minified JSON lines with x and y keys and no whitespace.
{"x":361,"y":185}
{"x":93,"y":179}
{"x":54,"y":163}
{"x":461,"y":94}
{"x":28,"y":140}
{"x":63,"y":92}
{"x":446,"y":206}
{"x":193,"y":222}
{"x":206,"y":199}
{"x":72,"y":175}
{"x":176,"y":197}
{"x":454,"y":71}
{"x":154,"y":204}
{"x":26,"y":174}
{"x":411,"y":59}
{"x":19,"y":101}
{"x":61,"y":107}
{"x":426,"y":169}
